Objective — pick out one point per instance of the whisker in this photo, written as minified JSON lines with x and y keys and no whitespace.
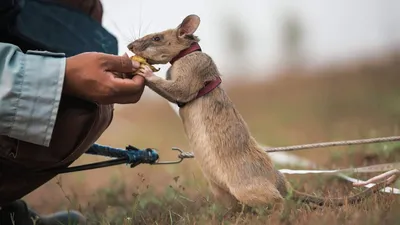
{"x":132,"y":32}
{"x":148,"y":25}
{"x":140,"y":18}
{"x":125,"y":38}
{"x":119,"y":30}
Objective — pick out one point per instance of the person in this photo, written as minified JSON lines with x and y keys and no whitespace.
{"x":53,"y":107}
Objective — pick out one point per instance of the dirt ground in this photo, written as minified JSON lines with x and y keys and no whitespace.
{"x":360,"y":101}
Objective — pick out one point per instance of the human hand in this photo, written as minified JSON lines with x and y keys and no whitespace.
{"x":91,"y":76}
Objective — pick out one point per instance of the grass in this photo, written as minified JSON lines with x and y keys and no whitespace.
{"x":345,"y":103}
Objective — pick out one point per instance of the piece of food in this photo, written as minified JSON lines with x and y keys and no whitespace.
{"x":143,"y":61}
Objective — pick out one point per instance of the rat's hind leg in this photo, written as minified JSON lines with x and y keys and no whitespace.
{"x":223,"y":196}
{"x":256,"y":193}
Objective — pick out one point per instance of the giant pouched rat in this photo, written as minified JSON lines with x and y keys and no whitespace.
{"x":236,"y":166}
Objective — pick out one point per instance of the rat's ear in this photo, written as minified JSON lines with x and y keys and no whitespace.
{"x":188,"y":26}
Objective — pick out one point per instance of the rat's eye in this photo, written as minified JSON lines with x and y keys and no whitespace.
{"x":156,"y":38}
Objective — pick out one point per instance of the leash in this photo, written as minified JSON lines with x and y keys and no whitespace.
{"x":134,"y":156}
{"x":130,"y":155}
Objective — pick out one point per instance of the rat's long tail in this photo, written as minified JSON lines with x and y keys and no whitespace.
{"x":339,"y":201}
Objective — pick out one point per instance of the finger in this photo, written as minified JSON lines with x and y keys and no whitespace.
{"x":117,"y":63}
{"x":126,"y":98}
{"x":127,"y":87}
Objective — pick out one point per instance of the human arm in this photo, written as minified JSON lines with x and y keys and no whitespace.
{"x":30,"y":91}
{"x":31,"y":85}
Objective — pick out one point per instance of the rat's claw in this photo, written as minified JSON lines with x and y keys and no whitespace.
{"x":145,"y":71}
{"x":141,"y":66}
{"x":143,"y":62}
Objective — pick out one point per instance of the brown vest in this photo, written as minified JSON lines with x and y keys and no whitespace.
{"x":78,"y":125}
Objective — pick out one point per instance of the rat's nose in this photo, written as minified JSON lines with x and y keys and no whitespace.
{"x":130,"y":46}
{"x":134,"y":47}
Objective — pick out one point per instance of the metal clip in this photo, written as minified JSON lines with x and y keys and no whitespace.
{"x":171,"y":162}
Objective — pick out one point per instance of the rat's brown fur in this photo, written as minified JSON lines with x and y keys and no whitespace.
{"x":235,"y":165}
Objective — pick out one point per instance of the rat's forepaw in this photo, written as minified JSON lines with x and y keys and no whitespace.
{"x":145,"y":71}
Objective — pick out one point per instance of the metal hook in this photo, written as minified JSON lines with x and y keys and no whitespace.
{"x":171,"y":162}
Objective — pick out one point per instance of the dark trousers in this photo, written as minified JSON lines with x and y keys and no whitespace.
{"x":16,"y":213}
{"x":78,"y":125}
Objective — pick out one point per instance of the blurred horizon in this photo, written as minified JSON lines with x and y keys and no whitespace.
{"x":259,"y":38}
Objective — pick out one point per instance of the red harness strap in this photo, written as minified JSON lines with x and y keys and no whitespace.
{"x":193,"y":48}
{"x":208,"y":85}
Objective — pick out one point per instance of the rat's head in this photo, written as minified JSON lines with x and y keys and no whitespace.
{"x":162,"y":47}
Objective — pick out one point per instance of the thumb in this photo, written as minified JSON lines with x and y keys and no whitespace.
{"x":122,"y":64}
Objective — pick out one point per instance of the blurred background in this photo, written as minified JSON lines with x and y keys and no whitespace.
{"x":299,"y":71}
{"x":260,"y":37}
